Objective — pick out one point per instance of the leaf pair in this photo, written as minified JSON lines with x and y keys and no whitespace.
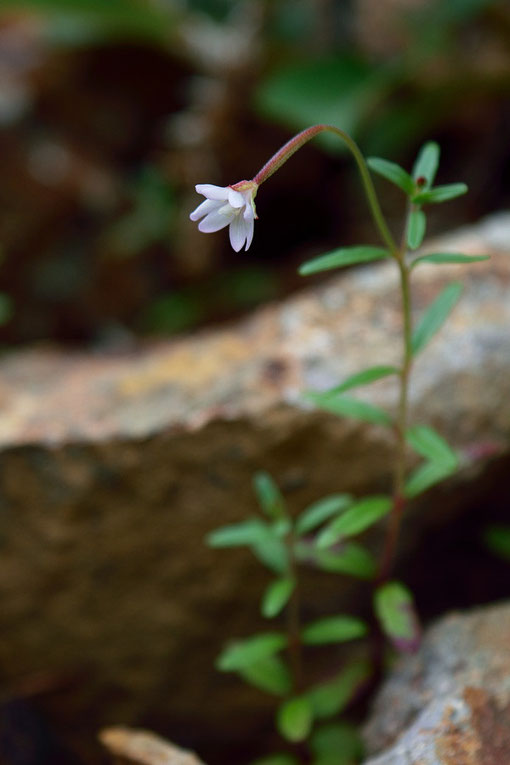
{"x":256,"y":660}
{"x":418,"y":187}
{"x":441,"y":460}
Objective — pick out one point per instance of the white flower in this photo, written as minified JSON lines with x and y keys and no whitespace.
{"x":232,"y":206}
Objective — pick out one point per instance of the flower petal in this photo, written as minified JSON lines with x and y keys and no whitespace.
{"x":205,"y":207}
{"x":249,"y":213}
{"x":215,"y":221}
{"x":238,"y":232}
{"x":249,"y":226}
{"x":212,"y":192}
{"x":235,"y":198}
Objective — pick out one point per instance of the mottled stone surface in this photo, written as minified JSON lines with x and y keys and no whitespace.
{"x":450,"y":703}
{"x":113,"y":468}
{"x":143,"y":747}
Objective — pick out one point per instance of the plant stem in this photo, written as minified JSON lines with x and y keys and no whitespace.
{"x":395,"y":518}
{"x":288,"y":149}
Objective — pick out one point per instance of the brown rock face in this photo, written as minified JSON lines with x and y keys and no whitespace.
{"x":113,"y":468}
{"x":449,"y":704}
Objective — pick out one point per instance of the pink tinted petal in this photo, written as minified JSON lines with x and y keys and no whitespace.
{"x":238,"y":232}
{"x":214,"y":222}
{"x":235,"y":198}
{"x":212,"y":192}
{"x":207,"y":206}
{"x":249,"y":232}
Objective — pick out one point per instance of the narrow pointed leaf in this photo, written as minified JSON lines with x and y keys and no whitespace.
{"x":427,"y":163}
{"x":351,"y":559}
{"x":435,"y":316}
{"x":440,"y":194}
{"x":393,"y":173}
{"x":331,"y":698}
{"x":321,"y":511}
{"x":336,"y":744}
{"x":425,"y":476}
{"x":497,"y":538}
{"x":345,"y":406}
{"x":334,"y":629}
{"x":270,"y":674}
{"x":372,"y":374}
{"x":242,"y":653}
{"x":345,"y":256}
{"x":277,"y":596}
{"x":432,"y":446}
{"x":394,"y":607}
{"x":449,"y":257}
{"x":268,"y":495}
{"x":295,"y":719}
{"x":247,"y":532}
{"x":282,"y":758}
{"x":416,"y":229}
{"x":273,"y":553}
{"x":356,"y":519}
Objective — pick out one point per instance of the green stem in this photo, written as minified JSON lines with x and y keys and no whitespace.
{"x":401,"y":423}
{"x":283,"y":154}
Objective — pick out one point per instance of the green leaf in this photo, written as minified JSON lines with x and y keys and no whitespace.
{"x":281,"y":527}
{"x":321,"y":511}
{"x":268,"y":495}
{"x":416,"y":228}
{"x":345,"y":256}
{"x":427,"y":163}
{"x":393,"y":173}
{"x":352,"y":559}
{"x":356,"y":519}
{"x":243,"y":653}
{"x":449,"y":257}
{"x":273,"y":553}
{"x":277,"y":596}
{"x":277,"y":759}
{"x":364,"y":378}
{"x":336,"y":744}
{"x":331,"y":698}
{"x":435,"y":316}
{"x":247,"y":532}
{"x":334,"y":629}
{"x":425,"y":476}
{"x":345,"y":406}
{"x":497,"y":538}
{"x":394,"y":607}
{"x":270,"y":674}
{"x":295,"y":719}
{"x":432,"y":446}
{"x":440,"y":194}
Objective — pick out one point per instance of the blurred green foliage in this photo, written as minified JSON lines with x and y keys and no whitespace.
{"x":111,"y":80}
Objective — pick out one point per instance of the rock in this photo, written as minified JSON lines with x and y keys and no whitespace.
{"x":114,"y":467}
{"x":450,"y":703}
{"x":144,"y":747}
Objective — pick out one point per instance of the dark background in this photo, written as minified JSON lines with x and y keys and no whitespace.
{"x":110,"y":112}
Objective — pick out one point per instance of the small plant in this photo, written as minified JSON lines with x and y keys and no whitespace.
{"x":323,"y":534}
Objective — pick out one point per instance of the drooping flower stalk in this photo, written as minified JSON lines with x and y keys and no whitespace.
{"x":234,"y":206}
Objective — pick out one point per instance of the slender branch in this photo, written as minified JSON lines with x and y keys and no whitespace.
{"x":288,"y":149}
{"x":395,"y":519}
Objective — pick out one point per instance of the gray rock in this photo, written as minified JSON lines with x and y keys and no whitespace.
{"x":113,"y":468}
{"x":450,"y":703}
